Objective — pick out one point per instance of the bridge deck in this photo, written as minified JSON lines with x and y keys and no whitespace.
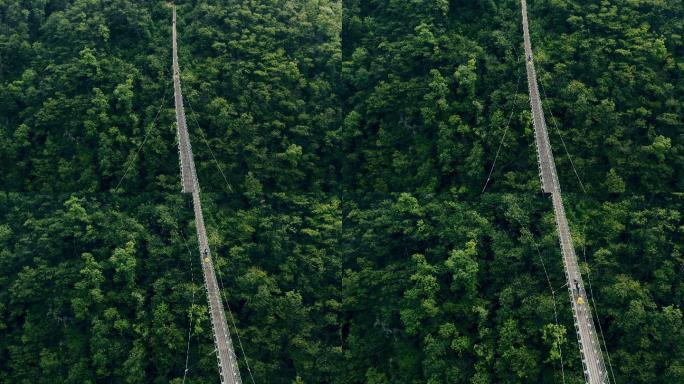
{"x":592,"y":359}
{"x":228,"y":365}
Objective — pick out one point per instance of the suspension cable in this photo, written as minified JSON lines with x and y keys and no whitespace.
{"x":232,"y":320}
{"x":206,"y":142}
{"x":230,"y":312}
{"x":223,"y":295}
{"x":503,"y":137}
{"x":555,"y":126}
{"x":201,"y":359}
{"x":591,"y":292}
{"x":553,"y":293}
{"x":527,"y":232}
{"x":192,"y":304}
{"x":130,"y":163}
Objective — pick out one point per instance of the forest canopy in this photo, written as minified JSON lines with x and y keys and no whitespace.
{"x":370,"y":187}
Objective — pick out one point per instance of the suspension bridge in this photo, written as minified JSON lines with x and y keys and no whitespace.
{"x":225,"y":353}
{"x":595,"y":371}
{"x":592,"y":358}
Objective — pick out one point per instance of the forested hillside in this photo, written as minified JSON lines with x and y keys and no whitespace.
{"x":342,"y":149}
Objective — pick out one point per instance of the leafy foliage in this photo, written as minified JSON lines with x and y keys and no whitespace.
{"x":352,"y":238}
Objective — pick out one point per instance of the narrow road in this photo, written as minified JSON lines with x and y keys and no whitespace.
{"x":592,"y":359}
{"x":228,"y":365}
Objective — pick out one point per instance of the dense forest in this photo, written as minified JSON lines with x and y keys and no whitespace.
{"x":343,"y":150}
